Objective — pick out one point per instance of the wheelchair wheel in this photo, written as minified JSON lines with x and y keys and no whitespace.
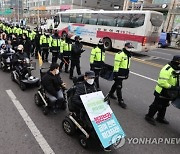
{"x":38,"y":84}
{"x":68,"y":126}
{"x":45,"y":110}
{"x":37,"y":100}
{"x":64,"y":106}
{"x":83,"y":141}
{"x":4,"y":69}
{"x":22,"y":86}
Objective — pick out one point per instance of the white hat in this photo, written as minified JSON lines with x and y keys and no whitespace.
{"x":20,"y":47}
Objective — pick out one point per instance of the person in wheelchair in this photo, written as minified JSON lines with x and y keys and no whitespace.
{"x":6,"y":54}
{"x":85,"y":87}
{"x":54,"y":86}
{"x":18,"y":61}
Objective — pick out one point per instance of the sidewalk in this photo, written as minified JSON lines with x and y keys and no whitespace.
{"x":173,"y":46}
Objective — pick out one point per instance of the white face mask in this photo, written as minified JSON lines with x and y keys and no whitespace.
{"x":57,"y":71}
{"x":90,"y":81}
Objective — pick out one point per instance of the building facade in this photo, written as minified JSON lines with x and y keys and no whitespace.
{"x":47,"y":8}
{"x":170,"y":9}
{"x":12,"y":9}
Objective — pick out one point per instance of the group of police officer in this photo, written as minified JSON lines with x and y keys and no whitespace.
{"x":64,"y":49}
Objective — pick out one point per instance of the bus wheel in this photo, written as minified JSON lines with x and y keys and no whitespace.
{"x":64,"y":34}
{"x":107,"y":43}
{"x":159,"y":45}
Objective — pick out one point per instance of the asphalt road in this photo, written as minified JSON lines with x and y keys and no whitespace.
{"x":16,"y":137}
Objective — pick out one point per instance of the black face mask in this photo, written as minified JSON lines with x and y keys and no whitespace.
{"x":20,"y":51}
{"x":175,"y":65}
{"x":128,"y":53}
{"x":101,"y":46}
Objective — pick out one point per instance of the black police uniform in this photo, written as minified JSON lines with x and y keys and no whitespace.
{"x":75,"y":58}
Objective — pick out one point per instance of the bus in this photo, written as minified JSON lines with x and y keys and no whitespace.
{"x":115,"y":28}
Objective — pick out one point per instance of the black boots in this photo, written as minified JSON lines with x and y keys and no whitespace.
{"x":122,"y":104}
{"x":112,"y":96}
{"x":150,"y":120}
{"x":163,"y":121}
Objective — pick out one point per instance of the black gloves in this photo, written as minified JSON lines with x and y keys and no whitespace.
{"x":115,"y":75}
{"x":175,"y":88}
{"x":91,"y":66}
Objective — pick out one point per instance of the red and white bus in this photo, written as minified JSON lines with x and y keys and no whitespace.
{"x":142,"y":28}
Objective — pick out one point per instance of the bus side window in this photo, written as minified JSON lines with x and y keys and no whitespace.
{"x":93,"y":19}
{"x":131,"y":20}
{"x":100,"y":21}
{"x":107,"y":20}
{"x":65,"y":18}
{"x":79,"y":18}
{"x":85,"y":21}
{"x":72,"y":19}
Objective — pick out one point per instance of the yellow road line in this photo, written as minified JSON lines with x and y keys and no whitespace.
{"x":148,"y":63}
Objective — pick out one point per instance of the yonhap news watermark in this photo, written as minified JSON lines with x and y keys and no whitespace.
{"x":145,"y":140}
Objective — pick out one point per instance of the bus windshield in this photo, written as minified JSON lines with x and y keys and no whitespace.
{"x":156,"y":19}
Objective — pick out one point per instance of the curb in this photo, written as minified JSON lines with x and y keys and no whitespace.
{"x":174,"y":48}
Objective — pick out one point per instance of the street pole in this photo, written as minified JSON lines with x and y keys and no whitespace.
{"x":38,"y":13}
{"x":142,"y":5}
{"x":133,"y":4}
{"x":168,"y":23}
{"x":81,"y":4}
{"x":18,"y":11}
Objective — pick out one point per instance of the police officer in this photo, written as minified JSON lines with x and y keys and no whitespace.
{"x":32,"y":35}
{"x":167,"y":82}
{"x":121,"y":72}
{"x":75,"y":56}
{"x":55,"y":46}
{"x":37,"y":43}
{"x":65,"y":51}
{"x":26,"y":44}
{"x":97,"y":60}
{"x":44,"y":43}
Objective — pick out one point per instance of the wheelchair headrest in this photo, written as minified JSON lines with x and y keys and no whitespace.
{"x":78,"y":79}
{"x":43,"y":71}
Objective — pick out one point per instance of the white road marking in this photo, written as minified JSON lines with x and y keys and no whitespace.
{"x":34,"y":130}
{"x":143,"y":76}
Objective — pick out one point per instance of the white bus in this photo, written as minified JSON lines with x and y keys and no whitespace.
{"x":141,"y":28}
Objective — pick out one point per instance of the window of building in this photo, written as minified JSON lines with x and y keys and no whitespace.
{"x":66,"y":2}
{"x":55,"y":2}
{"x":161,"y":1}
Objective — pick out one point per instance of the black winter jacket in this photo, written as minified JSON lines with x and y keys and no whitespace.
{"x":19,"y":56}
{"x":81,"y":89}
{"x":76,"y":51}
{"x":52,"y":83}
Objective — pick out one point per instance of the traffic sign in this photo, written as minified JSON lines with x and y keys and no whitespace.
{"x":6,"y":12}
{"x":134,"y":1}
